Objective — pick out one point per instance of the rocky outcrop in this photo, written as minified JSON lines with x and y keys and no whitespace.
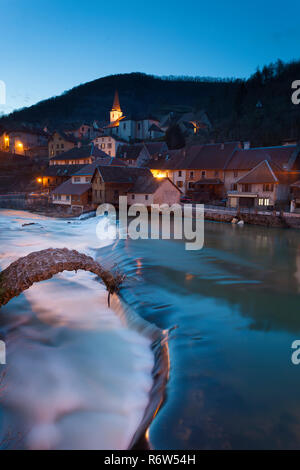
{"x":41,"y":265}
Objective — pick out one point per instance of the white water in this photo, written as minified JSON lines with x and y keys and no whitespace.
{"x":77,"y":377}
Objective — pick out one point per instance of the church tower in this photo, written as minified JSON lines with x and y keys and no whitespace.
{"x":116,"y":112}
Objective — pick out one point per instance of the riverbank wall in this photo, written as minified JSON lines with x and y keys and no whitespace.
{"x":284,"y":220}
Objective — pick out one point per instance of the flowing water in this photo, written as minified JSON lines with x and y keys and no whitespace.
{"x":235,"y":305}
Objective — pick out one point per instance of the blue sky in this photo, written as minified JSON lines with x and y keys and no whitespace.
{"x":48,"y":47}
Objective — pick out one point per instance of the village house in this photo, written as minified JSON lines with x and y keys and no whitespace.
{"x":21,"y":141}
{"x":262,"y":187}
{"x":149,"y":190}
{"x":78,"y":156}
{"x":81,"y":130}
{"x":110,"y":182}
{"x":73,"y":195}
{"x":206,"y":173}
{"x":138,"y":184}
{"x":134,"y":155}
{"x":243,"y":160}
{"x":197,"y":170}
{"x":107,"y":144}
{"x":59,"y":142}
{"x":56,"y":176}
{"x":190,"y":123}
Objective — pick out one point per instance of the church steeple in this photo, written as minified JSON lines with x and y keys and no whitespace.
{"x":116,"y":111}
{"x":116,"y":105}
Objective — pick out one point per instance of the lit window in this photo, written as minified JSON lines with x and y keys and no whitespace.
{"x":267,"y":202}
{"x":260,"y":202}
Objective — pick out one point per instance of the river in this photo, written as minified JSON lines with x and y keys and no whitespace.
{"x":235,"y":305}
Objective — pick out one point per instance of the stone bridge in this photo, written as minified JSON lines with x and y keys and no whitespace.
{"x":41,"y":265}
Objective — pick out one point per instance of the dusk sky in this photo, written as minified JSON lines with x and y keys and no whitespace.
{"x":48,"y":47}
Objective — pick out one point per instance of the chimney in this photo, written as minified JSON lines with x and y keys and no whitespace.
{"x":246,"y":145}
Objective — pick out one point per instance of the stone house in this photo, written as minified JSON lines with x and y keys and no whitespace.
{"x":262,"y":187}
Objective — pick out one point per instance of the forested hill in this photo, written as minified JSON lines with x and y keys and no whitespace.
{"x":258,"y":109}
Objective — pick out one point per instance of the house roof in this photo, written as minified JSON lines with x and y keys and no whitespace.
{"x":264,"y":172}
{"x":202,"y":157}
{"x":62,"y":170}
{"x":88,"y":170}
{"x":69,"y":188}
{"x":131,"y":152}
{"x":79,"y":153}
{"x":122,"y":174}
{"x":147,"y":184}
{"x":247,"y":159}
{"x":155,"y":147}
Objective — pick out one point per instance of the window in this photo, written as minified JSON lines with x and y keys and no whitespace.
{"x":133,"y":196}
{"x":267,"y":202}
{"x":67,"y":198}
{"x":124,"y":125}
{"x":268,"y":188}
{"x":146,"y":197}
{"x":203,"y":173}
{"x":235,"y":173}
{"x":216,"y":173}
{"x":139,"y":126}
{"x":87,"y":179}
{"x":179,"y":173}
{"x":191,"y":175}
{"x":77,"y":179}
{"x":246,"y":188}
{"x":62,"y":146}
{"x":191,"y":185}
{"x":260,"y":202}
{"x":179,"y":184}
{"x":109,"y":146}
{"x":234,"y":187}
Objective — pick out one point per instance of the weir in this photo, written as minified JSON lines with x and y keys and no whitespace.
{"x":42,"y":265}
